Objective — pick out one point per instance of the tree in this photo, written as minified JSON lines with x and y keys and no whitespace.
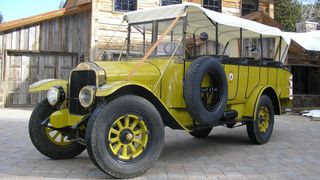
{"x":288,"y":13}
{"x":310,"y":10}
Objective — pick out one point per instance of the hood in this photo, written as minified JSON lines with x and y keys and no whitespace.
{"x":119,"y":71}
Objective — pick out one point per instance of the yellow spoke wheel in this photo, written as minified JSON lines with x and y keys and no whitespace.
{"x":124,"y":137}
{"x":263,"y":119}
{"x":50,"y":142}
{"x":56,"y":137}
{"x":260,"y":129}
{"x":128,"y":137}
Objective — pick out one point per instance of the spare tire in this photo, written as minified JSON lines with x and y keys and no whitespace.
{"x":206,"y":90}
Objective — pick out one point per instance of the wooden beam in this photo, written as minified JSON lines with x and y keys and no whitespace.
{"x":12,"y":52}
{"x":43,"y":17}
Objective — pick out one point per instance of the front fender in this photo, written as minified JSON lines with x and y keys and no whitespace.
{"x":45,"y":84}
{"x":146,"y":92}
{"x":108,"y":89}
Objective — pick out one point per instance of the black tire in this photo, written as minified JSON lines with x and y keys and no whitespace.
{"x":40,"y":139}
{"x":255,"y":134}
{"x":99,"y":146}
{"x":198,"y":107}
{"x":201,"y":133}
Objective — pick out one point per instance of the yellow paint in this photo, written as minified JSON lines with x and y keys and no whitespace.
{"x":232,"y":74}
{"x":245,"y":86}
{"x":242,"y":85}
{"x":172,"y":86}
{"x":252,"y":103}
{"x":263,"y":76}
{"x":45,"y":84}
{"x":253,"y":80}
{"x":272,"y":77}
{"x":63,"y":118}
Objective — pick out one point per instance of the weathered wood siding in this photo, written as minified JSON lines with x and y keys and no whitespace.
{"x":66,"y":34}
{"x":23,"y":69}
{"x":49,"y":49}
{"x":108,"y":29}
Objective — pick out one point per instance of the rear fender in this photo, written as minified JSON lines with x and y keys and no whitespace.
{"x":251,"y":106}
{"x":46,"y":84}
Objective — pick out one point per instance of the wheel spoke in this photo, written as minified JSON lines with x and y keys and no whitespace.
{"x":134,"y":124}
{"x":117,"y":148}
{"x":61,"y":138}
{"x":119,"y":124}
{"x":132,"y":148}
{"x":126,"y":121}
{"x":137,"y":132}
{"x":55,"y":135}
{"x":113,"y":140}
{"x":113,"y":131}
{"x":139,"y":141}
{"x":125,"y":150}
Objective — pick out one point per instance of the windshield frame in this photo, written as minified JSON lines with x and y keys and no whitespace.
{"x":155,"y":32}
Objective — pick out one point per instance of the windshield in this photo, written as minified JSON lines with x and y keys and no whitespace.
{"x":142,"y":36}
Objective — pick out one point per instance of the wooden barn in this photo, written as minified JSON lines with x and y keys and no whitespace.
{"x":49,"y":45}
{"x":44,"y":46}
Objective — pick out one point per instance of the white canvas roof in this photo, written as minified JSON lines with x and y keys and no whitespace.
{"x":310,"y":41}
{"x":199,"y":20}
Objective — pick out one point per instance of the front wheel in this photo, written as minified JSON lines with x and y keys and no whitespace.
{"x":51,"y":143}
{"x":260,"y":130}
{"x":125,"y":136}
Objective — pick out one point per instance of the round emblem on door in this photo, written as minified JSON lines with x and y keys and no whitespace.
{"x":231,"y":76}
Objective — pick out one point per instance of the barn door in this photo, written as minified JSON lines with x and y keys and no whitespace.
{"x":23,"y":70}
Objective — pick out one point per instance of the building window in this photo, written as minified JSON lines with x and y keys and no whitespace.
{"x":249,"y":6}
{"x":125,"y":5}
{"x":170,"y":2}
{"x":214,"y":5}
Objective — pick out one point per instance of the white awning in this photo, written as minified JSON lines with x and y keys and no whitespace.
{"x":310,"y":41}
{"x":199,"y":20}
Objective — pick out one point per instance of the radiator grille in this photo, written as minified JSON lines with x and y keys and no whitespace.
{"x":78,"y":80}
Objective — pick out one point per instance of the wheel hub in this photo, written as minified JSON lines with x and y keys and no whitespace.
{"x":126,"y":136}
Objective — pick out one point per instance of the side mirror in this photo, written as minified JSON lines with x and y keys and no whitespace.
{"x":204,"y":36}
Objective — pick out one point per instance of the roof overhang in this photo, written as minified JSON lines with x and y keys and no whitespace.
{"x":309,"y":41}
{"x":43,"y":17}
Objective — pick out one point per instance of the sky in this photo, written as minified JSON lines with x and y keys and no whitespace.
{"x":16,"y":9}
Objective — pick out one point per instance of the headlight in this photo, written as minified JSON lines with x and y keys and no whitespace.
{"x":55,"y":95}
{"x":87,"y":96}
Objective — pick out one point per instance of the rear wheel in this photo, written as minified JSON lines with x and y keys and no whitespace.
{"x":125,"y":137}
{"x":260,"y":130}
{"x":51,"y":143}
{"x":201,"y":133}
